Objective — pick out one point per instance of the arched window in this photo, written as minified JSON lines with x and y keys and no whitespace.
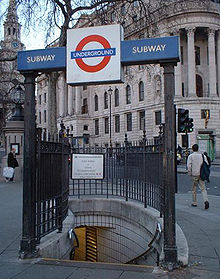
{"x":14,"y":31}
{"x":197,"y":55}
{"x":141,"y":91}
{"x":128,"y":94}
{"x":105,"y":100}
{"x":9,"y":31}
{"x":116,"y":97}
{"x":199,"y":86}
{"x":96,"y":100}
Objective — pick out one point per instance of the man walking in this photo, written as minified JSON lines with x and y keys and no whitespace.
{"x":194,"y":163}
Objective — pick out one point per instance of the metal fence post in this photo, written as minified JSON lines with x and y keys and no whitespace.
{"x":126,"y":166}
{"x":28,"y":241}
{"x":170,"y":249}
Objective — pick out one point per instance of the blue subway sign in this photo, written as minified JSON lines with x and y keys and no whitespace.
{"x":133,"y":52}
{"x":153,"y":50}
{"x":42,"y":59}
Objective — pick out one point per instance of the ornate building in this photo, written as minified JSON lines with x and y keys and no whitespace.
{"x":137,"y":104}
{"x":10,"y":45}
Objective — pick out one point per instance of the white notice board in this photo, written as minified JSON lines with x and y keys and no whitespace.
{"x":87,"y":166}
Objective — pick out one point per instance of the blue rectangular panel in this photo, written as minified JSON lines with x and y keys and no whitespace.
{"x":42,"y":59}
{"x":153,"y":50}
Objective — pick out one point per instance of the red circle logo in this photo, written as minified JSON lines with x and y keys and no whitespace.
{"x":93,"y":68}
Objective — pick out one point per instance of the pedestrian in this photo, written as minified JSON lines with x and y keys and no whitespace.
{"x":194,"y":163}
{"x":12,"y":163}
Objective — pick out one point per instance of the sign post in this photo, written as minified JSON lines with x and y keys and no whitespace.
{"x":95,"y":55}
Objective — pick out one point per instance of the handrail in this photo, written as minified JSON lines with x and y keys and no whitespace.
{"x":72,"y":236}
{"x":158,"y":232}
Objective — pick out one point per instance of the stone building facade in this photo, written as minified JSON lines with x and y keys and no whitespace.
{"x":137,"y":105}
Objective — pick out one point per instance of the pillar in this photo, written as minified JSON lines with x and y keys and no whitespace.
{"x":170,"y":249}
{"x":178,"y":77}
{"x":61,"y":90}
{"x":70,"y":100}
{"x":218,"y":61}
{"x":212,"y":63}
{"x":28,"y":242}
{"x":191,"y":62}
{"x":78,"y":100}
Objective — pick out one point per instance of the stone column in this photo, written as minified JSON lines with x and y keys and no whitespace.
{"x":218,"y":61}
{"x":78,"y":100}
{"x":178,"y":77}
{"x":70,"y":100}
{"x":191,"y":62}
{"x":212,"y":63}
{"x":61,"y":90}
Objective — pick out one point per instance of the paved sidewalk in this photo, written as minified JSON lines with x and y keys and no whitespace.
{"x":201,"y":228}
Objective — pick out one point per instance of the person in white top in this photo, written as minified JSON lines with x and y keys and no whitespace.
{"x":194,"y":163}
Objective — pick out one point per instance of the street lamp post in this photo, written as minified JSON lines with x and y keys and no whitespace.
{"x":110,"y":116}
{"x":17,"y":96}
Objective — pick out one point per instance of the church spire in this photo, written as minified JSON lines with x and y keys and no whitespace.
{"x":12,"y":29}
{"x":12,"y":12}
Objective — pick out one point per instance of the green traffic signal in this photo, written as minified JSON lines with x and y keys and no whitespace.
{"x":183,"y":117}
{"x":190,"y":125}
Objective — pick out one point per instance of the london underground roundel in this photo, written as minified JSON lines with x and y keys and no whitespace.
{"x":107,"y":52}
{"x":93,"y":54}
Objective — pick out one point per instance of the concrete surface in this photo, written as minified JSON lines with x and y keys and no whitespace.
{"x":201,"y":228}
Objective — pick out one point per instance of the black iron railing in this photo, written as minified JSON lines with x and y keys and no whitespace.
{"x":52,"y":185}
{"x":132,"y":171}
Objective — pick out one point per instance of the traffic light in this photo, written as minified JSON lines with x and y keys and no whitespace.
{"x":183,"y":117}
{"x":190,"y":125}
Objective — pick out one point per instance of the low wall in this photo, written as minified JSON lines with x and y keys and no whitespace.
{"x":98,"y":212}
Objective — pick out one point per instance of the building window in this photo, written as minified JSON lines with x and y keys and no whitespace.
{"x":123,"y":10}
{"x":135,"y":18}
{"x":96,"y":103}
{"x":207,"y":53}
{"x":205,"y":114}
{"x":181,"y":54}
{"x":197,"y":55}
{"x":129,"y":122}
{"x":135,"y":3}
{"x":9,"y":31}
{"x":128,"y":94}
{"x":84,"y":87}
{"x":116,"y":97}
{"x":117,"y":123}
{"x":105,"y":100}
{"x":199,"y":86}
{"x":85,"y":127}
{"x":97,"y":127}
{"x":39,"y":117}
{"x":39,"y":99}
{"x":141,"y":91}
{"x":113,"y":16}
{"x":158,"y":117}
{"x":45,"y":97}
{"x":106,"y":125}
{"x":142,"y":120}
{"x":45,"y":116}
{"x":183,"y":92}
{"x":85,"y":106}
